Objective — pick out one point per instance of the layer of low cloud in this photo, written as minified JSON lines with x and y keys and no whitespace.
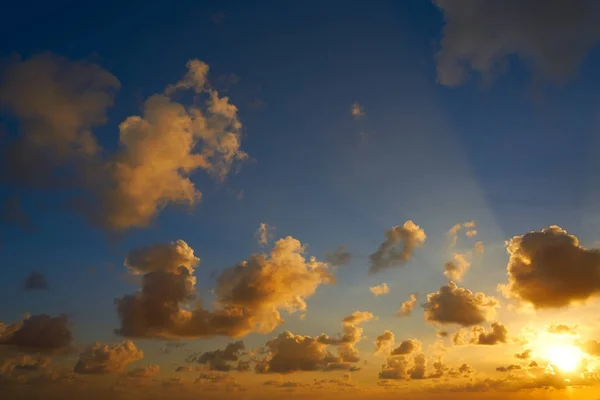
{"x":249,"y":295}
{"x":225,"y":360}
{"x":552,"y":37}
{"x":550,"y":269}
{"x":398,"y":247}
{"x":455,"y":305}
{"x":497,"y":334}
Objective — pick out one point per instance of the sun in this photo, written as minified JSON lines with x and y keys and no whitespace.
{"x":565,"y":357}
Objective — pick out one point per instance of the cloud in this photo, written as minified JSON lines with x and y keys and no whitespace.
{"x":23,"y":362}
{"x":224,"y":360}
{"x":458,"y":267}
{"x":162,"y":257}
{"x":38,"y":333}
{"x":380,"y":290}
{"x":561,"y":329}
{"x":384,"y":342}
{"x":553,"y":38}
{"x":407,"y":347}
{"x":400,"y":241}
{"x":454,"y":305}
{"x":249,"y":295}
{"x":357,"y":111}
{"x":468,"y":227}
{"x":524,"y":355}
{"x":508,"y":368}
{"x":591,"y":347}
{"x":102,"y":359}
{"x":549,"y":269}
{"x":149,"y":371}
{"x":58,"y":102}
{"x":478,"y":335}
{"x":407,"y":306}
{"x":478,"y":247}
{"x":35,"y":281}
{"x":291,"y":353}
{"x":262,"y":234}
{"x":340,"y":257}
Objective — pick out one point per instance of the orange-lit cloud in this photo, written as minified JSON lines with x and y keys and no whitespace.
{"x":400,"y":241}
{"x":454,"y":305}
{"x":380,"y":290}
{"x":104,"y":359}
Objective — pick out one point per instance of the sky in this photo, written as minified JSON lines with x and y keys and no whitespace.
{"x":271,"y":199}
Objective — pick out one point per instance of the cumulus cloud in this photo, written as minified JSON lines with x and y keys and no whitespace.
{"x":290,"y":353}
{"x":380,"y":290}
{"x":35,"y":281}
{"x":407,"y":347}
{"x":468,"y":227}
{"x":550,"y":269}
{"x":357,"y":111}
{"x":58,"y":102}
{"x":458,"y":267}
{"x":398,"y":247}
{"x":524,"y":355}
{"x":561,"y":329}
{"x":508,"y":368}
{"x":38,"y":333}
{"x":591,"y":347}
{"x":102,"y":359}
{"x":262,"y":234}
{"x":553,"y":38}
{"x":384,"y":342}
{"x":340,"y":257}
{"x":408,"y":306}
{"x":249,"y":295}
{"x":454,"y":305}
{"x":478,"y":247}
{"x":478,"y":335}
{"x":224,"y":360}
{"x":23,"y":362}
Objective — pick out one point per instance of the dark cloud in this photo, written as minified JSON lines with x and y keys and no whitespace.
{"x":407,"y":347}
{"x":412,"y":364}
{"x":508,"y":368}
{"x":549,"y":269}
{"x":454,"y":305}
{"x":148,"y":371}
{"x":591,"y":347}
{"x":38,"y":333}
{"x":224,"y":360}
{"x":104,"y":359}
{"x":398,"y":247}
{"x":340,"y":257}
{"x":524,"y":355}
{"x":249,"y":295}
{"x":35,"y":281}
{"x":552,"y":37}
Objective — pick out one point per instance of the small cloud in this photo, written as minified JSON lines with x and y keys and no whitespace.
{"x":408,"y":306}
{"x":339,"y":258}
{"x":35,"y":281}
{"x":263,"y":234}
{"x":380,"y":290}
{"x":398,"y":247}
{"x":357,"y":111}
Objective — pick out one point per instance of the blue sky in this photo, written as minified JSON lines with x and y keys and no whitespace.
{"x":515,"y":154}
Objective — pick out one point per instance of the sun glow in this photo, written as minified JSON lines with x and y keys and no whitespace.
{"x":565,"y":357}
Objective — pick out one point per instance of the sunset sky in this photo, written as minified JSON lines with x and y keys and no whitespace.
{"x":275,"y":199}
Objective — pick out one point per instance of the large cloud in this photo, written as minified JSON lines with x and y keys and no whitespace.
{"x":552,"y":37}
{"x":57,"y":103}
{"x":454,"y":305}
{"x":38,"y":333}
{"x":290,"y":353}
{"x":398,"y":247}
{"x":102,"y":359}
{"x":550,"y":269}
{"x":250,"y":295}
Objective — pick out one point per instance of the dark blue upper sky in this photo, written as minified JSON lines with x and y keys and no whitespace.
{"x":517,"y":153}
